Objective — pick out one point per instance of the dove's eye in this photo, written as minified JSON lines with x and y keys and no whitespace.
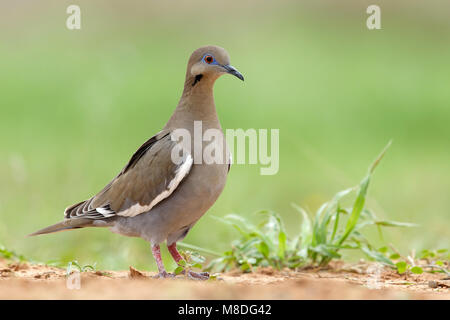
{"x":208,"y":59}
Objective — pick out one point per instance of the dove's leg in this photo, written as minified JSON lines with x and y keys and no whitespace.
{"x":157,"y":255}
{"x":177,"y":257}
{"x":174,"y":252}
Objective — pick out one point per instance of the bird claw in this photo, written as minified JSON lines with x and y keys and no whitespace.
{"x":190,"y":275}
{"x":198,"y":275}
{"x":164,"y":275}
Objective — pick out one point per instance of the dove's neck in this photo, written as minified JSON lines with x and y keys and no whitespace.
{"x":196,"y":104}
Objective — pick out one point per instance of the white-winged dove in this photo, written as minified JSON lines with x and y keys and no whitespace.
{"x":154,"y":197}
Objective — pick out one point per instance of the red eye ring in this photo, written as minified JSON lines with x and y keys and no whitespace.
{"x":208,"y":59}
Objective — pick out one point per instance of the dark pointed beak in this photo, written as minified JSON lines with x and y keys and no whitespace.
{"x":232,"y":70}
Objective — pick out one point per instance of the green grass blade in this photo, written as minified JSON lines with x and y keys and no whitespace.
{"x":306,"y":227}
{"x":357,"y":208}
{"x":317,"y":233}
{"x":396,"y":224}
{"x":377,"y":256}
{"x":358,"y":205}
{"x":336,"y":224}
{"x":281,"y":245}
{"x":332,"y":205}
{"x":378,"y":159}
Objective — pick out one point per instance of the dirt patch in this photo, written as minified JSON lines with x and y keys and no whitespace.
{"x":340,"y":281}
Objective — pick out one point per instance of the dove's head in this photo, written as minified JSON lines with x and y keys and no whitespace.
{"x":210,"y":62}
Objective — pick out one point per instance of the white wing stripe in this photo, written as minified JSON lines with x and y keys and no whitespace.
{"x":180,"y":173}
{"x":105,"y":212}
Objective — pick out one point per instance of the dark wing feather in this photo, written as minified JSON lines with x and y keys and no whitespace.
{"x":142,"y":150}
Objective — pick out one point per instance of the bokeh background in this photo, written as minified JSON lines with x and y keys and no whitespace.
{"x":75,"y":105}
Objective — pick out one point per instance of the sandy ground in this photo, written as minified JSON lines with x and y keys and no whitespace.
{"x":25,"y":281}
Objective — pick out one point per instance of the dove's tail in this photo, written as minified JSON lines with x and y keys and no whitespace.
{"x":68,"y":224}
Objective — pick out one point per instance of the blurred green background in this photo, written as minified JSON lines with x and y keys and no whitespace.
{"x":75,"y":105}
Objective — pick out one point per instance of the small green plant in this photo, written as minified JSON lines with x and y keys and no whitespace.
{"x":432,"y":261}
{"x":191,"y":260}
{"x":320,"y":240}
{"x":79,"y":267}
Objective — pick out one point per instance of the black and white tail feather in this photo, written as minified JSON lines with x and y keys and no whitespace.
{"x":150,"y":168}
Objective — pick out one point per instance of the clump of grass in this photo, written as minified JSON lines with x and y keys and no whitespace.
{"x":320,"y":240}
